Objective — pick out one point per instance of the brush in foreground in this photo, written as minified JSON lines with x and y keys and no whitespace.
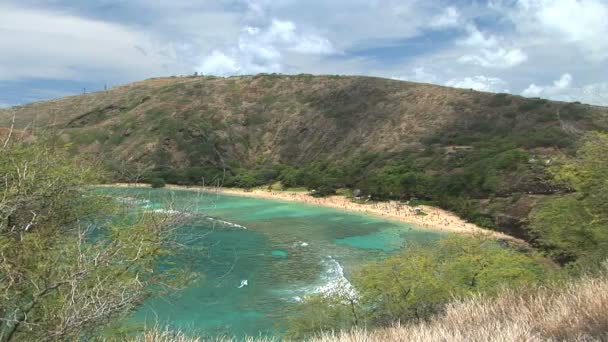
{"x":576,"y":312}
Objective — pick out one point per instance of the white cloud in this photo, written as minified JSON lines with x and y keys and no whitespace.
{"x":595,"y":93}
{"x":449,"y":18}
{"x":219,"y":63}
{"x":350,"y":24}
{"x":499,"y":58}
{"x":533,"y":91}
{"x":263,"y":50}
{"x":563,"y":82}
{"x":477,"y":39}
{"x":256,"y":7}
{"x":418,"y":74}
{"x":54,"y":45}
{"x":583,"y":23}
{"x":480,"y":83}
{"x":559,"y":87}
{"x":525,"y":43}
{"x":487,"y":50}
{"x":283,"y":34}
{"x":562,"y":90}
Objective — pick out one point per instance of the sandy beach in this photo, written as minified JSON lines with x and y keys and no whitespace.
{"x":436,"y":219}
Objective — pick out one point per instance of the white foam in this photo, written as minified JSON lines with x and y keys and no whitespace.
{"x":226,"y":223}
{"x":300,"y":244}
{"x":168,"y":212}
{"x":134,"y":200}
{"x":332,"y":282}
{"x":147,"y":204}
{"x":335,"y":281}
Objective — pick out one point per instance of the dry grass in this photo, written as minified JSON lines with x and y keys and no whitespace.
{"x":157,"y":335}
{"x":577,"y":312}
{"x":164,"y":336}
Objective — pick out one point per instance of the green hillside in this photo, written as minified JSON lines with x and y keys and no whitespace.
{"x":482,"y":155}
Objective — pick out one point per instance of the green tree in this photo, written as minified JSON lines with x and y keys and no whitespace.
{"x":415,"y":284}
{"x":418,"y":282}
{"x":71,"y":261}
{"x":320,"y":313}
{"x":574,"y":227}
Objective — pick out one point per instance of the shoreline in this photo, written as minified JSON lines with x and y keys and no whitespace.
{"x":436,"y":219}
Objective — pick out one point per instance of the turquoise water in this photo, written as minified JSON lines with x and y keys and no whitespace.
{"x":259,"y":257}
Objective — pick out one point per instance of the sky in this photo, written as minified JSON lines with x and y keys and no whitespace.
{"x":556,"y":49}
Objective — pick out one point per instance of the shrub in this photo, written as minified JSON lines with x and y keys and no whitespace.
{"x":417,"y":284}
{"x":72,"y":270}
{"x":572,"y":312}
{"x":157,"y":183}
{"x":500,"y":100}
{"x":531,"y":105}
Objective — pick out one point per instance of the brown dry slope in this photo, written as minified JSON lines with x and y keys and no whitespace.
{"x":243,"y":122}
{"x":287,"y":118}
{"x":282,"y":118}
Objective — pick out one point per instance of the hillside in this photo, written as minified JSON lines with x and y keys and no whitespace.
{"x":391,"y":139}
{"x":571,"y":312}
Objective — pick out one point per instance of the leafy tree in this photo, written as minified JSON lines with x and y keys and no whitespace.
{"x":71,"y":261}
{"x":322,"y":313}
{"x":574,"y":227}
{"x":417,"y":283}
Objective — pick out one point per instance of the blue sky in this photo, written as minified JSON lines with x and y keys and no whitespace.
{"x":556,"y":49}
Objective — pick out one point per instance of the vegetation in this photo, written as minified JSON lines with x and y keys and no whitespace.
{"x":70,"y":268}
{"x":572,"y":312}
{"x":157,"y":182}
{"x":417,"y":284}
{"x":458,"y":149}
{"x":69,"y":265}
{"x":574,"y":227}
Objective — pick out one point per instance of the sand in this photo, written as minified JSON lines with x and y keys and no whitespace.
{"x":435,"y":219}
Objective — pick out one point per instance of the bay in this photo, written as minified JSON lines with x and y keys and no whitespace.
{"x":259,"y":257}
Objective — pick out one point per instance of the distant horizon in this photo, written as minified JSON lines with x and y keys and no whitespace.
{"x":108,"y":87}
{"x":533,"y":48}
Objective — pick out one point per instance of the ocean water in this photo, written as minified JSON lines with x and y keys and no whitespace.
{"x":260,"y":257}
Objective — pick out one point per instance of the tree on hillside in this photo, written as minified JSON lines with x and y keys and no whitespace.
{"x":71,"y":260}
{"x":574,"y":227}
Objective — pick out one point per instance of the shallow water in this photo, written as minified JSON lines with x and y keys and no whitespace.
{"x":259,"y":257}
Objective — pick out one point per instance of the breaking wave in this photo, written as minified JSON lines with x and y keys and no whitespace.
{"x":134,"y":201}
{"x":335,"y":283}
{"x":225,"y":224}
{"x":332,"y":282}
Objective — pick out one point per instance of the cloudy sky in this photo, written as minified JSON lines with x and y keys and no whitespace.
{"x":556,"y":49}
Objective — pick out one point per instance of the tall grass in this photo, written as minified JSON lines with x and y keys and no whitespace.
{"x":157,"y":335}
{"x":575,"y":312}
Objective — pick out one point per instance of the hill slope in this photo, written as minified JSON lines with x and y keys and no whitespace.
{"x":571,"y":312}
{"x":389,"y":138}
